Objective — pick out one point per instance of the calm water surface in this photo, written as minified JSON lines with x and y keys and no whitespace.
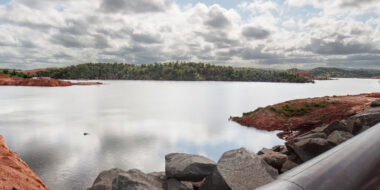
{"x":133,"y":124}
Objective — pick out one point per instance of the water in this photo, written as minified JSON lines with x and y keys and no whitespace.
{"x":133,"y":124}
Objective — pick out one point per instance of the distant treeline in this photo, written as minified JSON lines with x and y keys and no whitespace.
{"x":327,"y":73}
{"x":169,"y":71}
{"x":14,"y":73}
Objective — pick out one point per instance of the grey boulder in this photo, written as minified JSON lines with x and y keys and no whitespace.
{"x":343,"y":125}
{"x":280,"y":148}
{"x":264,"y":151}
{"x":239,"y":169}
{"x":188,"y":167}
{"x":366,"y":119}
{"x":137,"y":180}
{"x":104,"y":179}
{"x":288,"y":165}
{"x":308,"y":148}
{"x":274,"y":159}
{"x":338,"y":137}
{"x":173,"y":184}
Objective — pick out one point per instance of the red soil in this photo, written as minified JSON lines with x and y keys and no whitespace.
{"x":34,"y":71}
{"x":306,"y":74}
{"x":15,"y":173}
{"x":336,"y":108}
{"x":4,"y":80}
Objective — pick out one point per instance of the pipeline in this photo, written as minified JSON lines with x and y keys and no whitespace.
{"x":348,"y":166}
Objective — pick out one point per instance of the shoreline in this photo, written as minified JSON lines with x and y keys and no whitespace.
{"x":40,"y":82}
{"x":297,"y":117}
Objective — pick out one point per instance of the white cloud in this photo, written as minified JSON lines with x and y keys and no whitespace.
{"x":59,"y":33}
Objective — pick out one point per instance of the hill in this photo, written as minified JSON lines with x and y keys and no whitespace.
{"x":169,"y":71}
{"x":326,"y":73}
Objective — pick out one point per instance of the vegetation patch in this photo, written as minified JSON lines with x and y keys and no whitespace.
{"x":14,"y":73}
{"x":289,"y":110}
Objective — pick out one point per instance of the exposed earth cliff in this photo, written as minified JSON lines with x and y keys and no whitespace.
{"x":15,"y":173}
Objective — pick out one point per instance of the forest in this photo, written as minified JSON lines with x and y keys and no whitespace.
{"x":330,"y":72}
{"x":186,"y":71}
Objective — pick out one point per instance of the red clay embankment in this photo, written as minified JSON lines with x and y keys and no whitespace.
{"x":297,"y":117}
{"x":47,"y":82}
{"x":15,"y":173}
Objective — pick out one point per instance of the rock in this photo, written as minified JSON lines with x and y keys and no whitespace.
{"x":104,"y":179}
{"x":311,"y":135}
{"x":344,"y":125}
{"x":338,"y":137}
{"x":368,"y":117}
{"x":274,"y":159}
{"x":375,"y":104}
{"x":239,"y":169}
{"x":281,"y":149}
{"x":188,"y":167}
{"x":264,"y":151}
{"x":308,"y":148}
{"x":288,"y":165}
{"x":159,"y":175}
{"x":173,"y":184}
{"x":137,"y":180}
{"x":292,"y":156}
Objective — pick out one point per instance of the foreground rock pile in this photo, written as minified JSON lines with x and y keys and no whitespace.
{"x":238,"y":169}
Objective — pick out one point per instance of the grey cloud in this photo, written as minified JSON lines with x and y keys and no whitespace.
{"x":217,"y":19}
{"x":135,"y":6}
{"x":66,"y":40}
{"x":356,"y":3}
{"x":255,"y":32}
{"x":28,"y":44}
{"x":257,"y":53}
{"x":101,"y":42}
{"x":219,"y":39}
{"x":338,"y":47}
{"x":146,"y":38}
{"x":139,"y":54}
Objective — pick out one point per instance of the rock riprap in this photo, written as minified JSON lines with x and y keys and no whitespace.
{"x":239,"y":169}
{"x":188,"y":167}
{"x":137,"y":180}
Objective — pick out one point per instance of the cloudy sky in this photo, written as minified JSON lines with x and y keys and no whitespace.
{"x":254,"y":33}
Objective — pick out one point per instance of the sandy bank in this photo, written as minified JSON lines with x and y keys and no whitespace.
{"x":297,"y":117}
{"x":15,"y":173}
{"x":48,"y":82}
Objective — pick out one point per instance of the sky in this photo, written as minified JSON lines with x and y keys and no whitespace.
{"x":274,"y":34}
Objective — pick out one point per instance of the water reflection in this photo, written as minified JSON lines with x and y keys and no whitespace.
{"x":133,"y":124}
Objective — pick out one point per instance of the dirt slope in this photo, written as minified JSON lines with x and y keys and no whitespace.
{"x":15,"y":173}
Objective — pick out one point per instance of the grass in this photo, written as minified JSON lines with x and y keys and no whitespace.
{"x":288,"y":110}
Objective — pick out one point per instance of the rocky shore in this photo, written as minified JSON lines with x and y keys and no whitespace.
{"x":297,"y":117}
{"x":46,"y":82}
{"x":240,"y":169}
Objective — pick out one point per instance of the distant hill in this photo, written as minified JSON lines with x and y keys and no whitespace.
{"x":326,"y":72}
{"x":170,"y":71}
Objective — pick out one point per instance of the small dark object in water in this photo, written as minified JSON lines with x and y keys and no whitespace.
{"x":375,"y":104}
{"x":14,"y":188}
{"x":86,"y":134}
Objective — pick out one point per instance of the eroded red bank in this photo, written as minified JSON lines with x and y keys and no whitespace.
{"x":11,"y":81}
{"x":15,"y":173}
{"x":297,"y":117}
